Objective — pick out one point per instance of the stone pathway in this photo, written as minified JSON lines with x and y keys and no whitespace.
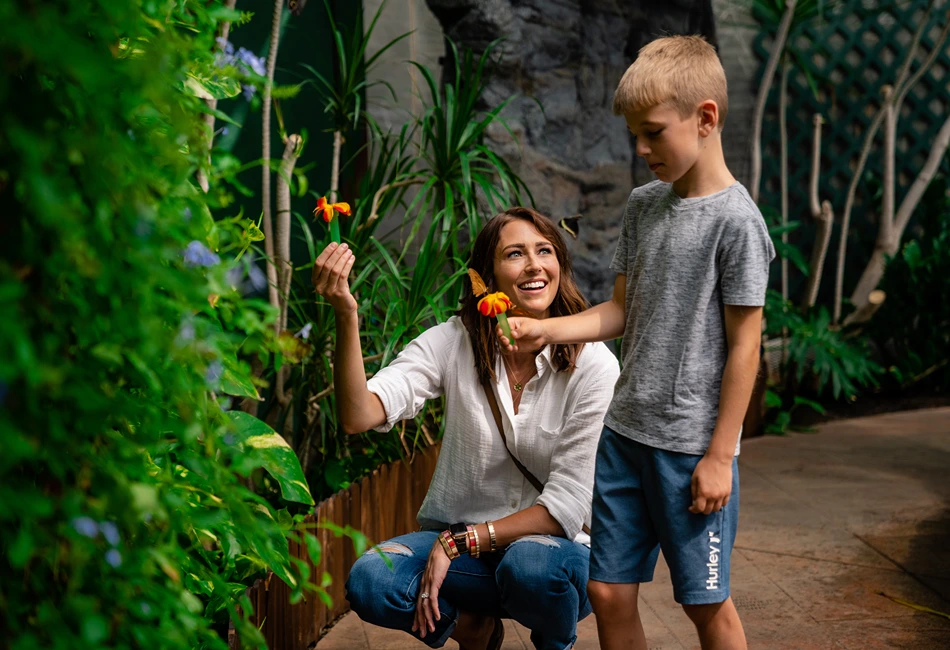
{"x":829,"y":521}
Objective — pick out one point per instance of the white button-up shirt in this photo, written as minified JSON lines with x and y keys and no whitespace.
{"x":554,"y":433}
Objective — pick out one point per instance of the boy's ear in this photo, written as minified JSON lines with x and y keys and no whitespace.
{"x":708,"y":115}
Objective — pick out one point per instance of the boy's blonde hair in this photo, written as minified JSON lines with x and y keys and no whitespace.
{"x":682,"y":71}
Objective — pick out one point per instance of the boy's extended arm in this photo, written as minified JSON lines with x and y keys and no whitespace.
{"x":712,"y":480}
{"x":603,"y":322}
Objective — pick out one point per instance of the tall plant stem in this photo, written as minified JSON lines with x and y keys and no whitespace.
{"x":824,"y":219}
{"x":778,"y":48}
{"x":335,"y":165}
{"x":783,"y":154}
{"x":202,"y":175}
{"x":282,"y":230}
{"x":268,"y":226}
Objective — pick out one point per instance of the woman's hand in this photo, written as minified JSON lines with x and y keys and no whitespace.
{"x":427,"y":609}
{"x":330,"y":277}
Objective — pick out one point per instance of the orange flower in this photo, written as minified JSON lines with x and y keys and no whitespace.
{"x":330,"y":209}
{"x":494,"y":304}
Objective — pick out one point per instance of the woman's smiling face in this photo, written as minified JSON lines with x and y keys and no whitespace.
{"x":526,"y":268}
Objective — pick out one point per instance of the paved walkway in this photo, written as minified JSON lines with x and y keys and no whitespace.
{"x":830,"y":521}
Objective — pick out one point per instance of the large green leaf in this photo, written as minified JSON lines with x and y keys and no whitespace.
{"x":275,"y":455}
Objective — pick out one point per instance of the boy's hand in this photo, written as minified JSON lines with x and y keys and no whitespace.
{"x":330,"y":277}
{"x":528,"y":333}
{"x":711,"y":485}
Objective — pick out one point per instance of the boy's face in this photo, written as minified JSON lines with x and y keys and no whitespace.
{"x":670,"y":144}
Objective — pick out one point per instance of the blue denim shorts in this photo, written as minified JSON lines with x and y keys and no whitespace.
{"x":641,"y":505}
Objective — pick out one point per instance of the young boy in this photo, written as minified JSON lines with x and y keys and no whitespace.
{"x":692,"y":267}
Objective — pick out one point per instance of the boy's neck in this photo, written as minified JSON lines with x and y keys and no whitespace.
{"x":708,"y":175}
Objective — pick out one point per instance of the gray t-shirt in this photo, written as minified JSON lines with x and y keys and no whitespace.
{"x":684,"y":259}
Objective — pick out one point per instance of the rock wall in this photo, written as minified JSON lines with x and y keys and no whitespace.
{"x":567,"y":56}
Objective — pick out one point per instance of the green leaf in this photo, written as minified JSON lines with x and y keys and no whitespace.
{"x":235,"y":381}
{"x":275,"y":456}
{"x":313,"y":547}
{"x":815,"y":406}
{"x":205,"y":88}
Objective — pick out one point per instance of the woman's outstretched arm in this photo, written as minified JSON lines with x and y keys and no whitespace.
{"x":357,"y":408}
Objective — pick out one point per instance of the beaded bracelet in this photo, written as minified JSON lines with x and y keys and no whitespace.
{"x":491,"y":536}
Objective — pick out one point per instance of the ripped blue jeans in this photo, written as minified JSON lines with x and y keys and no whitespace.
{"x":539,"y":581}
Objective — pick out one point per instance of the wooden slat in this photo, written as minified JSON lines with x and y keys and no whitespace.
{"x":382,"y":505}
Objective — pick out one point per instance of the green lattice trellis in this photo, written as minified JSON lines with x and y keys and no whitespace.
{"x":850,"y":52}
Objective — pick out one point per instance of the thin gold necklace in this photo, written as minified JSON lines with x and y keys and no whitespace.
{"x":519,"y":384}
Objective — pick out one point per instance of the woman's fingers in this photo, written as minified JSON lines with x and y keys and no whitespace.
{"x":322,"y":266}
{"x":434,"y":603}
{"x":337,"y":272}
{"x":329,"y":265}
{"x":343,"y":281}
{"x":427,"y":612}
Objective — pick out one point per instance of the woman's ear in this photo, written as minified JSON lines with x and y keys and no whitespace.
{"x":708,"y":116}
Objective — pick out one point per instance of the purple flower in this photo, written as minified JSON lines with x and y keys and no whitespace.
{"x":256,"y":278}
{"x":252,"y":61}
{"x":114,"y":558}
{"x":197,"y":254}
{"x":214,"y":372}
{"x":224,"y":130}
{"x":225,"y":45}
{"x":187,"y":331}
{"x":304,"y":332}
{"x":110,"y":531}
{"x":249,"y":92}
{"x":86,"y":526}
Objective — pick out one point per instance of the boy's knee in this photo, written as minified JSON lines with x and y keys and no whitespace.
{"x":703,"y":615}
{"x":613,"y":600}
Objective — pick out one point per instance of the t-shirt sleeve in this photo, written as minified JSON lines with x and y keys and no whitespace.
{"x":416,"y":375}
{"x":624,"y":245}
{"x":744,"y":258}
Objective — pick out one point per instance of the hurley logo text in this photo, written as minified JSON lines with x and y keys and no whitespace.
{"x":712,"y":582}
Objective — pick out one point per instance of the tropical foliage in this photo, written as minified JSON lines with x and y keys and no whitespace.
{"x":135,"y":504}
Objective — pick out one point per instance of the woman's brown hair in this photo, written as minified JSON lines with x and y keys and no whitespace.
{"x":569,"y":299}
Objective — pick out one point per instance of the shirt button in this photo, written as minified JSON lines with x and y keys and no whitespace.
{"x":514,"y":504}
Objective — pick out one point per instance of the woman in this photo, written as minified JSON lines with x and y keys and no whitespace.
{"x":492,"y":546}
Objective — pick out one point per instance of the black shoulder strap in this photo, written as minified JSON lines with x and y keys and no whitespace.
{"x":496,"y":413}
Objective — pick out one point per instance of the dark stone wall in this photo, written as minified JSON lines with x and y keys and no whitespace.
{"x":568,"y":55}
